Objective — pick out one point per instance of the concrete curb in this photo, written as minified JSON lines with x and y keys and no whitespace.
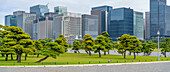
{"x":85,"y":65}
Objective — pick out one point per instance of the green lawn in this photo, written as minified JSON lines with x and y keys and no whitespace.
{"x":72,"y":58}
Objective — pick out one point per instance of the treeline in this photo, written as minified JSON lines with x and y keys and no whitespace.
{"x":125,"y":43}
{"x":16,"y":42}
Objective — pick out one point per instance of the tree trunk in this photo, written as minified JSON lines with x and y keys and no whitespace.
{"x":122,"y":53}
{"x":99,"y":54}
{"x":104,"y":52}
{"x":42,"y":59}
{"x":108,"y":51}
{"x":165,"y":53}
{"x":87,"y":52}
{"x":130,"y":53}
{"x":90,"y":53}
{"x":125,"y":55}
{"x":19,"y":58}
{"x":78,"y":51}
{"x":38,"y":55}
{"x":25,"y":57}
{"x":134,"y":55}
{"x":12,"y":57}
{"x":3,"y":55}
{"x":6,"y":59}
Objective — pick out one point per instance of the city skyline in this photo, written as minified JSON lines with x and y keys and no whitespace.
{"x":7,"y":6}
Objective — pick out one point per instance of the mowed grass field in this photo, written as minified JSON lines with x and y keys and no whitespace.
{"x":75,"y":58}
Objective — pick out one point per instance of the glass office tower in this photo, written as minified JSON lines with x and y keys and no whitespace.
{"x":60,"y":9}
{"x":121,"y":22}
{"x":157,"y":17}
{"x":90,"y":25}
{"x":103,"y":15}
{"x":40,"y":10}
{"x":167,"y":21}
{"x":10,"y":20}
{"x":138,"y":28}
{"x":147,"y":25}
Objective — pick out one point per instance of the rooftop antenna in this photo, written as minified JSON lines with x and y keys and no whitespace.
{"x":47,"y":4}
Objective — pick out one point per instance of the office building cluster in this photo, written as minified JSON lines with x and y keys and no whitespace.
{"x":40,"y":23}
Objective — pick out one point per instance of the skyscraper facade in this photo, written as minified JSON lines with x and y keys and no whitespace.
{"x":25,"y":21}
{"x":90,"y":25}
{"x":40,"y":10}
{"x":102,"y":20}
{"x":147,"y":25}
{"x":121,"y":22}
{"x":167,"y":21}
{"x":103,"y":14}
{"x":43,"y":28}
{"x":157,"y":17}
{"x":10,"y":20}
{"x":138,"y":28}
{"x":68,"y":24}
{"x":60,"y":9}
{"x":16,"y":13}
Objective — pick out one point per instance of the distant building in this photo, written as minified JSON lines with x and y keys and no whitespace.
{"x":60,"y":9}
{"x":50,"y":14}
{"x":43,"y":28}
{"x":138,"y":28}
{"x":121,"y":22}
{"x":40,"y":10}
{"x":10,"y":20}
{"x":147,"y":25}
{"x":167,"y":21}
{"x":16,"y":13}
{"x":157,"y":17}
{"x":103,"y":15}
{"x":90,"y":25}
{"x":25,"y":21}
{"x":68,"y":24}
{"x":102,"y":20}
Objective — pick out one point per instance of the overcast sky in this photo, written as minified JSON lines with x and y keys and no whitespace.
{"x":77,"y":6}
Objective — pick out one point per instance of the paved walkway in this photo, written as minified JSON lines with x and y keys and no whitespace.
{"x":124,"y":67}
{"x":127,"y":53}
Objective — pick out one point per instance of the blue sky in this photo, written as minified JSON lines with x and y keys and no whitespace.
{"x":77,"y":6}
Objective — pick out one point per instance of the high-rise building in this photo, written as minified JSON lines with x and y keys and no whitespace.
{"x":103,"y":15}
{"x":157,"y":17}
{"x":138,"y":28}
{"x":25,"y":21}
{"x":60,"y":9}
{"x":40,"y":10}
{"x":68,"y":24}
{"x":167,"y":21}
{"x":10,"y":20}
{"x":16,"y":13}
{"x":121,"y":22}
{"x":102,"y":20}
{"x":50,"y":14}
{"x":90,"y":25}
{"x":147,"y":25}
{"x":43,"y":28}
{"x":105,"y":8}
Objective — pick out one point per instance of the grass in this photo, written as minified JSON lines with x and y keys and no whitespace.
{"x":72,"y":58}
